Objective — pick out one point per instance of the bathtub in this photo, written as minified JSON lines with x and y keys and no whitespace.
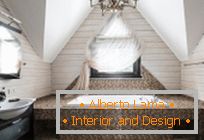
{"x":127,"y":101}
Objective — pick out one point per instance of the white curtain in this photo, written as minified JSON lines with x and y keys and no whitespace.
{"x":115,"y":28}
{"x":114,"y":55}
{"x":112,"y":50}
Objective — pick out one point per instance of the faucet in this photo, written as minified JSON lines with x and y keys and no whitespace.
{"x":2,"y":95}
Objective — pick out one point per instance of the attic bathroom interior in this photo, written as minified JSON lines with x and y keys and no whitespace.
{"x":101,"y":69}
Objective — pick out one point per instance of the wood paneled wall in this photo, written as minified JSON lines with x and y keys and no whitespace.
{"x":35,"y":78}
{"x":157,"y":57}
{"x":193,"y":71}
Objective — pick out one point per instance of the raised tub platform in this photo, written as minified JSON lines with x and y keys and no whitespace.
{"x":44,"y":117}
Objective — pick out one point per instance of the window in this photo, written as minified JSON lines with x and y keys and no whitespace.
{"x":114,"y":50}
{"x":10,"y":56}
{"x":131,"y":72}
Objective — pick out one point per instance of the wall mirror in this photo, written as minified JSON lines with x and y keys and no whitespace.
{"x":10,"y":54}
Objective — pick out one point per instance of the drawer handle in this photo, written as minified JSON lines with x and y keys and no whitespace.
{"x":17,"y":121}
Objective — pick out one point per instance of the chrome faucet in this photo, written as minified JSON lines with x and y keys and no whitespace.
{"x":2,"y":95}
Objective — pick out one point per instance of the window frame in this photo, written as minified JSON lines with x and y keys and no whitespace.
{"x":135,"y":74}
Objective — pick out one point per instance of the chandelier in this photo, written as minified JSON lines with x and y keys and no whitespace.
{"x":113,"y":5}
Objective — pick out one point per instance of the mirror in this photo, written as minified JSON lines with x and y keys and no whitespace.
{"x":10,"y":55}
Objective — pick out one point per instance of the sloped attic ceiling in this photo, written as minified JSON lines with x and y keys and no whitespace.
{"x":194,"y":13}
{"x":168,"y":19}
{"x":49,"y":24}
{"x":63,"y":18}
{"x":179,"y":23}
{"x":32,"y":15}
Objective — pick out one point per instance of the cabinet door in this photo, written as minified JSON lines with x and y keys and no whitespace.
{"x":16,"y":130}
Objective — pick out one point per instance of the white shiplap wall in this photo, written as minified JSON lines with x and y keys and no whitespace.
{"x":66,"y":66}
{"x":193,"y":75}
{"x":35,"y":78}
{"x":157,"y":58}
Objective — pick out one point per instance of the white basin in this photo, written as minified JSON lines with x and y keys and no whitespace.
{"x":9,"y":110}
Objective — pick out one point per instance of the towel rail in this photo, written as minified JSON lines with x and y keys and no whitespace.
{"x":194,"y":64}
{"x":11,"y":19}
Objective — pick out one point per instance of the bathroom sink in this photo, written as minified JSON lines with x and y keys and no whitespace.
{"x":11,"y":109}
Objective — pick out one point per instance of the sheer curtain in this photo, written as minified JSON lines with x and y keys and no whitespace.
{"x":113,"y":49}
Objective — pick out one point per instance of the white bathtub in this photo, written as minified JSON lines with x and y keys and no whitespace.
{"x":133,"y":100}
